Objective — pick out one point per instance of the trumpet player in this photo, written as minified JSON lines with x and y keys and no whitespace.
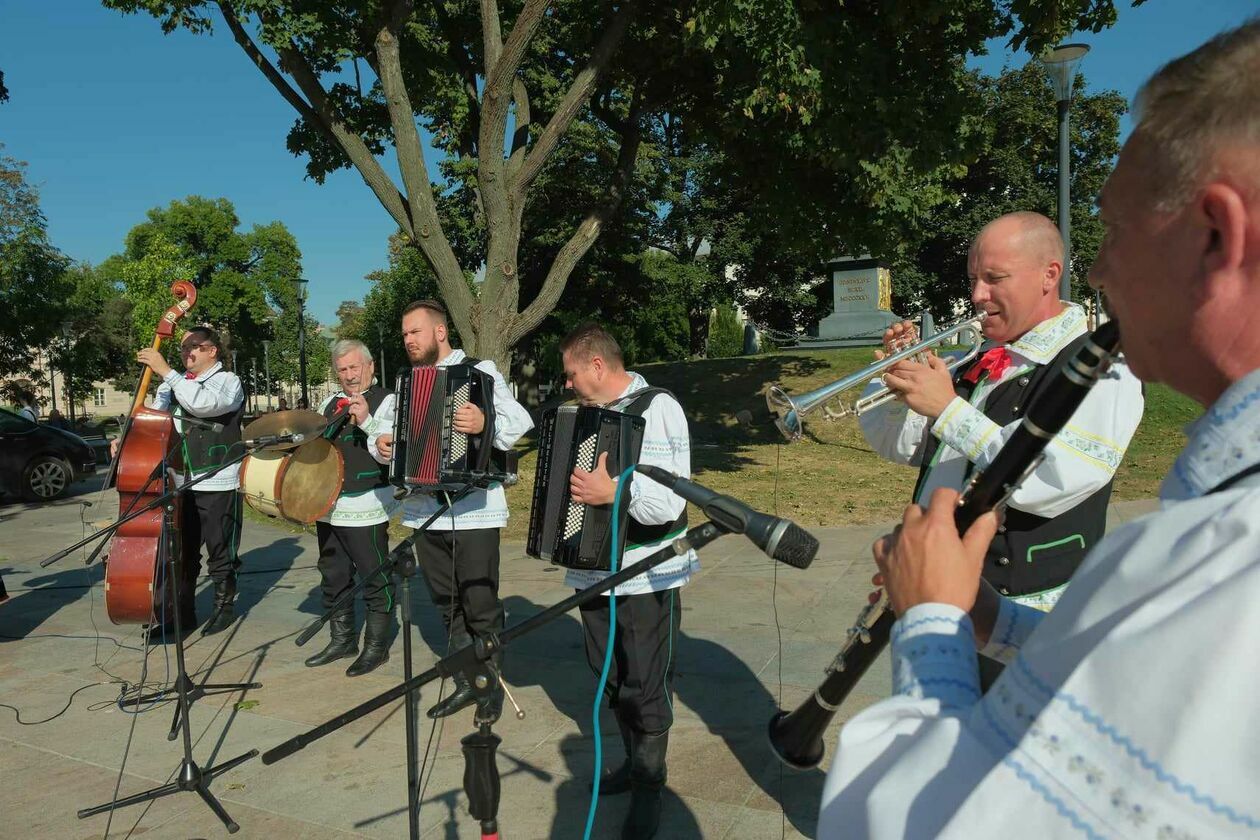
{"x":949,"y":425}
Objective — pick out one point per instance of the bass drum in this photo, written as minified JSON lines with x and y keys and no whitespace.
{"x":299,"y":485}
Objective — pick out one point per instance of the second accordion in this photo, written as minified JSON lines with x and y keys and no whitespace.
{"x":569,"y":533}
{"x":429,"y":455}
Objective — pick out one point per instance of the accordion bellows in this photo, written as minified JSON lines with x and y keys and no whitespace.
{"x":565,"y":532}
{"x":429,"y":455}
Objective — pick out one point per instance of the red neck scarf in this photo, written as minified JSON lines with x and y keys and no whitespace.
{"x":190,"y":375}
{"x":994,"y":363}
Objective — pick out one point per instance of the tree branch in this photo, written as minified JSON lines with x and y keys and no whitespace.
{"x":321,"y":113}
{"x":491,"y":33}
{"x":585,"y":235}
{"x":575,"y":98}
{"x":425,"y":221}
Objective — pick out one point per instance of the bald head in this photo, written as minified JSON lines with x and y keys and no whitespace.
{"x":1032,"y":233}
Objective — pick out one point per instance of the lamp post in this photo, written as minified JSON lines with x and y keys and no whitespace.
{"x":1061,"y":64}
{"x":267,"y":370}
{"x":380,"y":335}
{"x":67,"y":380}
{"x":301,"y":302}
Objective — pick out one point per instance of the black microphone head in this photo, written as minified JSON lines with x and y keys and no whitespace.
{"x":782,"y":539}
{"x":797,"y":547}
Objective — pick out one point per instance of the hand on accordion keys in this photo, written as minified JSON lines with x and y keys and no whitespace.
{"x":596,"y":487}
{"x":780,"y":539}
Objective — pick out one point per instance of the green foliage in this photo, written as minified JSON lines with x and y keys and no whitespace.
{"x":33,"y":288}
{"x":246,"y":285}
{"x":837,"y":122}
{"x":726,"y":336}
{"x":97,"y":341}
{"x":1017,"y":170}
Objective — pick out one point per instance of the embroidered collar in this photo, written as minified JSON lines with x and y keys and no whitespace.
{"x":637,"y":383}
{"x":1220,"y":444}
{"x":452,"y":358}
{"x":1043,"y":342}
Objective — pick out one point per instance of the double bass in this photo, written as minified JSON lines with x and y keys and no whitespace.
{"x":134,"y":591}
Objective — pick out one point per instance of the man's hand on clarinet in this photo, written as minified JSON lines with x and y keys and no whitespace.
{"x":925,"y":561}
{"x":359,"y":411}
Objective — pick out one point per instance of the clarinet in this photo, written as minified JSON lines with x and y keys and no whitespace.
{"x":797,"y":737}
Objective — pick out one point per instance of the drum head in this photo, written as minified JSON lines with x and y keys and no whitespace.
{"x":311,"y":482}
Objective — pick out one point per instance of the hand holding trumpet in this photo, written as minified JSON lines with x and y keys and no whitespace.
{"x":926,"y":386}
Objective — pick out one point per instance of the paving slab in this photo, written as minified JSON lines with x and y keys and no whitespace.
{"x":755,"y":638}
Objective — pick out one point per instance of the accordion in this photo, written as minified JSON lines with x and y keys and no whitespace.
{"x":565,"y":532}
{"x":429,"y":455}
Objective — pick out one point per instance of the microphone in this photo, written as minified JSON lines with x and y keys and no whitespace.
{"x":271,"y":440}
{"x":780,"y":539}
{"x":208,"y":425}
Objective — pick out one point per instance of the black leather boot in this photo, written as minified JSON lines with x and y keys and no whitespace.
{"x":463,"y":695}
{"x":618,"y":781}
{"x":224,"y":612}
{"x":490,"y":709}
{"x":344,"y":641}
{"x":647,"y":778}
{"x":376,"y":641}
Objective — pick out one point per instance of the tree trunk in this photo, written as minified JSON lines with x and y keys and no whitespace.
{"x":699,"y":322}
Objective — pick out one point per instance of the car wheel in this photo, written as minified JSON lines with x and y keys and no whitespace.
{"x":46,"y":478}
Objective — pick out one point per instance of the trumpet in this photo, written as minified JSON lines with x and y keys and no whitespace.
{"x":789,"y":411}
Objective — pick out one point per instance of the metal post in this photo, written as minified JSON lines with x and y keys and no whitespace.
{"x":253,"y":382}
{"x":380,"y":334}
{"x":302,"y":343}
{"x":267,"y":370}
{"x":1065,"y":205}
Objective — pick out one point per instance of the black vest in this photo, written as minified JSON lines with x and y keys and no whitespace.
{"x":637,"y":533}
{"x":1031,"y":553}
{"x":204,"y":449}
{"x":363,"y":472}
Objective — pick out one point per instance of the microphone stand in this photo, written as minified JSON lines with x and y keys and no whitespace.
{"x":189,"y":777}
{"x":481,"y":775}
{"x":400,"y":564}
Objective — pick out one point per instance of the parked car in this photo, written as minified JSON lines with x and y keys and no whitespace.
{"x":39,"y":463}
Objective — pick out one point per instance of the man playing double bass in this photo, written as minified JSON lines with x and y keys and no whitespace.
{"x":211,"y":510}
{"x":354,"y":537}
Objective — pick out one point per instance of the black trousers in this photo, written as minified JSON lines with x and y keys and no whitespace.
{"x":641,"y":675}
{"x":211,"y":518}
{"x":346,"y":550}
{"x":461,"y":569}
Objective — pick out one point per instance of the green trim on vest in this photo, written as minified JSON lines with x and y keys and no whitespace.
{"x":1070,"y":538}
{"x":674,"y":535}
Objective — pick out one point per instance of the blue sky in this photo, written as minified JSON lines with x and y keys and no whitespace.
{"x":114,"y":118}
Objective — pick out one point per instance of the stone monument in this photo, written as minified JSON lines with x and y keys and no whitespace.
{"x":862,"y":289}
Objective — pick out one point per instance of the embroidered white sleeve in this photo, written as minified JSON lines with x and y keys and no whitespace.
{"x":894,"y":431}
{"x":666,"y":444}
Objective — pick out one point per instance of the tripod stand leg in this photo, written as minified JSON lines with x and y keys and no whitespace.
{"x":155,"y":793}
{"x":209,"y":799}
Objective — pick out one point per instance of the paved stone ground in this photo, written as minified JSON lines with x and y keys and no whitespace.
{"x":754,"y":638}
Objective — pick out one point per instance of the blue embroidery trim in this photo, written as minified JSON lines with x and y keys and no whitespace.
{"x":970,"y":688}
{"x":1137,"y":753}
{"x":931,"y":619}
{"x":1028,"y":778}
{"x":1010,"y":628}
{"x":1217,"y":417}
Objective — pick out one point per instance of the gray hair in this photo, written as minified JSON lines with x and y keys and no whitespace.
{"x":1195,"y":105}
{"x":347,"y":346}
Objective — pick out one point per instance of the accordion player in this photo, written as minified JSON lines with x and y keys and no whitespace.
{"x":429,"y":455}
{"x":569,"y":533}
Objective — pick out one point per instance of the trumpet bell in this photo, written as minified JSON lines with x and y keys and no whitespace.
{"x":786,"y":417}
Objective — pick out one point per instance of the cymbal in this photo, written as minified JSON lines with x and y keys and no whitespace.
{"x":298,"y":421}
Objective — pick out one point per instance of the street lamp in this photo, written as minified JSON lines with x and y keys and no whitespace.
{"x":301,"y":302}
{"x":1061,"y":64}
{"x":267,"y":370}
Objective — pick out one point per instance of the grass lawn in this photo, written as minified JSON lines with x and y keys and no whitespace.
{"x":831,"y":477}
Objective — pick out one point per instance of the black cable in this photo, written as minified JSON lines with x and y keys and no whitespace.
{"x":778,"y":629}
{"x":17,"y":713}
